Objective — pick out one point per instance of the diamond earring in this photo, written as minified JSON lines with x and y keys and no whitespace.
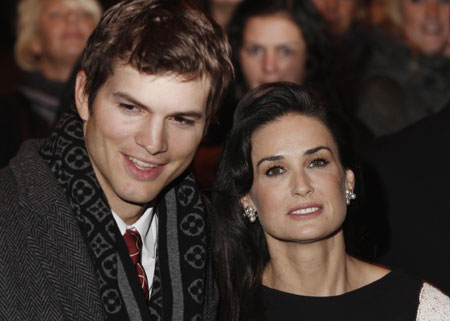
{"x":349,"y":196}
{"x":250,"y":213}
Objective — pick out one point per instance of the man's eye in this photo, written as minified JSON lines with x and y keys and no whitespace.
{"x":275,"y":171}
{"x":129,"y":107}
{"x":318,"y":163}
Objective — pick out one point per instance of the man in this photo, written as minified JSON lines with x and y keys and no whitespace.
{"x":102,"y":220}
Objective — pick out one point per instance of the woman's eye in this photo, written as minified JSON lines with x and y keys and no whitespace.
{"x":183,"y":120}
{"x":55,"y":14}
{"x":275,"y":171}
{"x":254,"y":50}
{"x":318,"y":163}
{"x":286,"y":51}
{"x":84,"y":15}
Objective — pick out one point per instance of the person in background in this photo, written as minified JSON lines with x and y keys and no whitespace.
{"x":272,"y":40}
{"x":102,"y":220}
{"x":347,"y":21}
{"x":376,"y":12}
{"x":281,"y":40}
{"x":220,"y":10}
{"x":51,"y":34}
{"x":447,"y":49}
{"x":408,"y":74}
{"x":339,"y":14}
{"x":283,"y":196}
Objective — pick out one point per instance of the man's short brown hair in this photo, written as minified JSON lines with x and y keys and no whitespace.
{"x":159,"y":37}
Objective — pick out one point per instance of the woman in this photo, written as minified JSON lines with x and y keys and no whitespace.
{"x":285,"y":181}
{"x":281,"y":40}
{"x":51,"y":34}
{"x":272,"y":40}
{"x":408,"y":75}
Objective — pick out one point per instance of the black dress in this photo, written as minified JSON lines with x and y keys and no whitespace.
{"x":393,"y":297}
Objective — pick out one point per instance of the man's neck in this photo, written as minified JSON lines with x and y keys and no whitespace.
{"x":129,"y":213}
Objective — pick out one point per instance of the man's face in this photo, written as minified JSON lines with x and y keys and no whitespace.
{"x":142,"y":133}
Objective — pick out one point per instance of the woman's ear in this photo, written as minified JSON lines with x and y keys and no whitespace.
{"x":349,"y":179}
{"x":246,"y":201}
{"x":81,"y":98}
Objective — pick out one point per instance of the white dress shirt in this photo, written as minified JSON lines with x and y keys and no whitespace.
{"x":147,"y":226}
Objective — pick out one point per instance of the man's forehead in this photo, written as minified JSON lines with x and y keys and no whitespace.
{"x":196,"y":75}
{"x":169,"y":90}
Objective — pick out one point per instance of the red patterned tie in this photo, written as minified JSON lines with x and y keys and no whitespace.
{"x":134,"y":244}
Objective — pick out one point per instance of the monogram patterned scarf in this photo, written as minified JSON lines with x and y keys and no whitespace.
{"x":179,"y":282}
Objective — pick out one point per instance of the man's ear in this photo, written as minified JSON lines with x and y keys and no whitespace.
{"x":81,"y":98}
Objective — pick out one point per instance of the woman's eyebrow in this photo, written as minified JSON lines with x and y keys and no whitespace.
{"x":269,"y":158}
{"x":316,"y":149}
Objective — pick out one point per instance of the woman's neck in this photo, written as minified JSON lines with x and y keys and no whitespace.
{"x":55,"y":71}
{"x":316,"y":269}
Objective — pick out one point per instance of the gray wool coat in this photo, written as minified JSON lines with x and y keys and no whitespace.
{"x":46,"y":272}
{"x":45,"y":269}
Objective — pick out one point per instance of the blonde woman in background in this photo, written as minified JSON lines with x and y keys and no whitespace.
{"x":51,"y":34}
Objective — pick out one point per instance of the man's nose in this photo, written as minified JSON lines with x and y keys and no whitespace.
{"x":152,"y":136}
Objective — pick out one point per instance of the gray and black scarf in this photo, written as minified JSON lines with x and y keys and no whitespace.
{"x":179,"y":282}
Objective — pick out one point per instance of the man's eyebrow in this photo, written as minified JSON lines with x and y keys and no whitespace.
{"x":269,"y":159}
{"x":129,"y":98}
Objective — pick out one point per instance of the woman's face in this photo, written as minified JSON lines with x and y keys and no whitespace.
{"x":273,"y":49}
{"x":426,"y":24}
{"x":63,"y":29}
{"x":299,"y":183}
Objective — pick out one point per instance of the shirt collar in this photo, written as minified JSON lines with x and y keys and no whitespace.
{"x":142,"y":225}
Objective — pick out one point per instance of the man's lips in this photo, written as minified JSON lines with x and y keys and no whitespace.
{"x":143,"y":169}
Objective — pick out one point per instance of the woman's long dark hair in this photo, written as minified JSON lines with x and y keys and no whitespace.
{"x":240,"y":251}
{"x":321,"y":65}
